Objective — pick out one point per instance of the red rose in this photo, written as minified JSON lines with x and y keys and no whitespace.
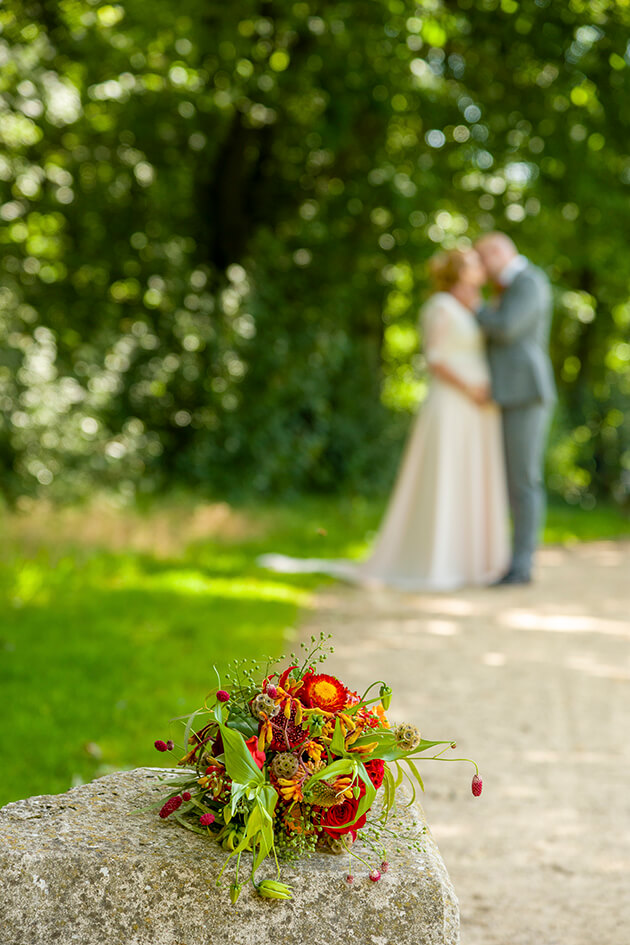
{"x":258,"y":756}
{"x":337,"y":820}
{"x":376,"y":771}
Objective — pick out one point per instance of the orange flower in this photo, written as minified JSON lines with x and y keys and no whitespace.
{"x":325,"y":692}
{"x":380,"y":711}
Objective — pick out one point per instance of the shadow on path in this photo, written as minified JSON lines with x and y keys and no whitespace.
{"x":534,"y":682}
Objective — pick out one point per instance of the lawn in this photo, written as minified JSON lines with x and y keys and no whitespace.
{"x":113,"y":618}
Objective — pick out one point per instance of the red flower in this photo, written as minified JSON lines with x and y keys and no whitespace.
{"x":337,"y":820}
{"x":206,"y":819}
{"x":258,"y":756}
{"x":323,"y":692}
{"x":376,"y":771}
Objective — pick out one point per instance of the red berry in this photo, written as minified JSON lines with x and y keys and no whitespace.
{"x":349,"y":878}
{"x":477,"y":785}
{"x":206,"y":819}
{"x":160,"y":745}
{"x":384,"y":866}
{"x":186,"y":796}
{"x":375,"y":876}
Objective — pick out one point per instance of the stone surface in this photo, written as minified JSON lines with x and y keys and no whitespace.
{"x":83,"y":867}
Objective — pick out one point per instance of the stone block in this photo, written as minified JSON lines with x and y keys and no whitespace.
{"x":82,"y":868}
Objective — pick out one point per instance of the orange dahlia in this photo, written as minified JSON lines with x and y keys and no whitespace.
{"x":323,"y":692}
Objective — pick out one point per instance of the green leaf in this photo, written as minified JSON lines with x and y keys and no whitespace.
{"x":239,"y":763}
{"x":266,"y":801}
{"x":395,"y":753}
{"x":370,"y":793}
{"x":247,"y":725}
{"x":334,"y":770}
{"x":415,"y":773}
{"x":389,"y":787}
{"x":338,"y":742}
{"x":189,"y":725}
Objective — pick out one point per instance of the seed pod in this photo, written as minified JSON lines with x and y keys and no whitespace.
{"x":323,"y":794}
{"x":284,"y":765}
{"x":407,"y":736}
{"x":263,"y":705}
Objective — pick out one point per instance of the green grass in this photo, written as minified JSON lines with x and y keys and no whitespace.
{"x":100,"y":647}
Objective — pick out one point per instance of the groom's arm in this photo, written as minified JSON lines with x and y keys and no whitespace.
{"x":515,"y":315}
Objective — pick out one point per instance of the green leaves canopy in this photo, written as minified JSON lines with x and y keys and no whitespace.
{"x":216,"y":224}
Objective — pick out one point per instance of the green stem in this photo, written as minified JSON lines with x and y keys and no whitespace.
{"x":379,"y":682}
{"x":438,"y":758}
{"x":353,"y":854}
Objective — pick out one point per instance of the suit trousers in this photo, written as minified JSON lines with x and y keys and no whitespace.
{"x":524,"y":436}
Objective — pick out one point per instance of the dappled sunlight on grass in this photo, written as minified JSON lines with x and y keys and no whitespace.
{"x":101,"y":643}
{"x":195,"y":583}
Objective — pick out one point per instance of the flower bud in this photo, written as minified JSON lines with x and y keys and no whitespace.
{"x":386,"y":696}
{"x":235,"y":891}
{"x":272,"y":889}
{"x":223,"y":696}
{"x":173,"y":804}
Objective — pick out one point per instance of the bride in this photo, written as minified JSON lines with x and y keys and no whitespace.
{"x":446,"y":521}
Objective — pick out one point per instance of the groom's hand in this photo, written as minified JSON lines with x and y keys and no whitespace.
{"x":480,"y":394}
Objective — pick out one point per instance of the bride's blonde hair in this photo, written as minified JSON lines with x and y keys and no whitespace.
{"x":445,"y":268}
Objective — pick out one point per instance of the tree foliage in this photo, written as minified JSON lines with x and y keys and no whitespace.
{"x":217,"y":217}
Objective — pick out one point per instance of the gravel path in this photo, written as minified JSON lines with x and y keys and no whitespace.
{"x":534,"y":682}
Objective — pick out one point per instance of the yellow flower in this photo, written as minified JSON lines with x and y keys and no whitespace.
{"x":315,"y":751}
{"x":265,"y":736}
{"x":360,"y":749}
{"x":290,"y":789}
{"x":343,"y":786}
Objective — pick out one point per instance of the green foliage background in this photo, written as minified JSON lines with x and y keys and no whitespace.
{"x":216,"y":219}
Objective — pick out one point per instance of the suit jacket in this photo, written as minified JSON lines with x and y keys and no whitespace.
{"x":517,"y":332}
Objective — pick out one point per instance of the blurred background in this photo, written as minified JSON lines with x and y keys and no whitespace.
{"x":215,"y":226}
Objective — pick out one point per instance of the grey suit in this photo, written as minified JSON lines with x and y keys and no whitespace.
{"x":517,"y":331}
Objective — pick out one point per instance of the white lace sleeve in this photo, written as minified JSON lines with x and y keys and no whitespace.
{"x":435,"y":319}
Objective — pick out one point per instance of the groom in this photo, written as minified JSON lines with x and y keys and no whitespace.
{"x":517,"y":331}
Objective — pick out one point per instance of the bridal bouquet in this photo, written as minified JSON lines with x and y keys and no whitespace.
{"x":290,"y":762}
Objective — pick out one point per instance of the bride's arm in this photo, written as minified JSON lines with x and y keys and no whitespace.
{"x":479,"y":393}
{"x":435,"y":330}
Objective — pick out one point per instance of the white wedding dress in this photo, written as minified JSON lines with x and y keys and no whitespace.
{"x":446,"y":524}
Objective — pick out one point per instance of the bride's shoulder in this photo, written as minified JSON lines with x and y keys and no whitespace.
{"x":438,"y":303}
